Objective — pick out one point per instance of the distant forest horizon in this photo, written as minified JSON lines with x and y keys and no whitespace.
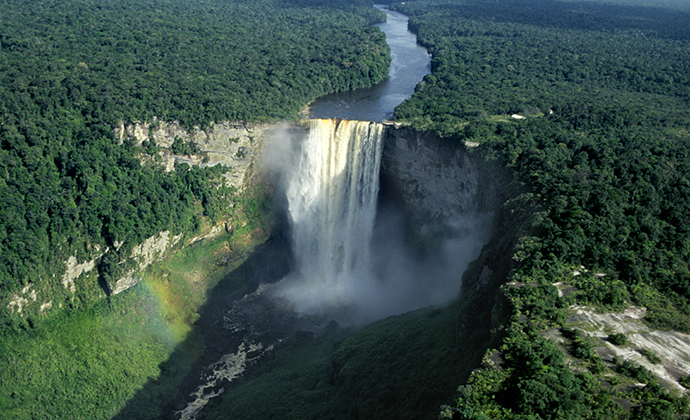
{"x":596,"y":178}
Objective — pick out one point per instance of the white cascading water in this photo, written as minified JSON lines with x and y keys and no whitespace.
{"x":332,"y":191}
{"x":332,"y":196}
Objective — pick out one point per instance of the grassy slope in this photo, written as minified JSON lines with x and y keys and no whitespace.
{"x":89,"y":364}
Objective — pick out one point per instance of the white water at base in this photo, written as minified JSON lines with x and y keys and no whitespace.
{"x":332,"y":191}
{"x":332,"y":195}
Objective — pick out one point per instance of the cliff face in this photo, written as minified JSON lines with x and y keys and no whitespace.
{"x":231,"y":144}
{"x":436,"y":178}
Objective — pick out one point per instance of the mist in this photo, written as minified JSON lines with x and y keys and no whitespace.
{"x":353,"y":260}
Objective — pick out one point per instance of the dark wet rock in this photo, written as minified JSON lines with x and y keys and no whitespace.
{"x":180,"y":401}
{"x":247,"y":332}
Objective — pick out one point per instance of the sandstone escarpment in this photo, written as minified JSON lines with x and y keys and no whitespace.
{"x":232,"y":144}
{"x":435,"y":177}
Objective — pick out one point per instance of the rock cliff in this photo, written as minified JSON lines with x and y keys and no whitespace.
{"x":436,"y":178}
{"x":232,"y":144}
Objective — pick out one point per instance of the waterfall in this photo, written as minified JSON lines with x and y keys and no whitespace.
{"x":347,"y":267}
{"x":331,"y":195}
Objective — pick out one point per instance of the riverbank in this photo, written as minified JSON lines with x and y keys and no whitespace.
{"x":133,"y":350}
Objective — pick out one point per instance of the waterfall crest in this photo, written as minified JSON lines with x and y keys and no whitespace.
{"x":332,"y":196}
{"x":351,"y":264}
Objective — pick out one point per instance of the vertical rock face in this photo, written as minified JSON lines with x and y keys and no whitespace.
{"x":451,"y":197}
{"x":153,"y":249}
{"x":232,"y":144}
{"x":361,"y":256}
{"x":436,"y":178}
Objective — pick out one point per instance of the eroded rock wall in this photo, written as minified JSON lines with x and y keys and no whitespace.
{"x":436,"y":178}
{"x":232,"y":144}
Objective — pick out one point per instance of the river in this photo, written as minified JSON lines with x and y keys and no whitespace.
{"x":410,"y":63}
{"x":254,"y":326}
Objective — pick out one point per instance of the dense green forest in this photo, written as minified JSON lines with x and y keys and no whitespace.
{"x":70,"y":70}
{"x":600,"y":153}
{"x":599,"y":162}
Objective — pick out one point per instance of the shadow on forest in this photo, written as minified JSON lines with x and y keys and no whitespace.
{"x":160,"y":397}
{"x":588,"y":15}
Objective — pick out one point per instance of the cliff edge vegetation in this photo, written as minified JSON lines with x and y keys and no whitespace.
{"x":72,"y":71}
{"x":587,"y":103}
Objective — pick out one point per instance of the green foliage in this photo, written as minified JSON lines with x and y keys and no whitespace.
{"x":610,"y":193}
{"x":608,"y":293}
{"x":126,"y":355}
{"x":534,"y":383}
{"x":182,"y":147}
{"x":602,"y":182}
{"x":608,"y":170}
{"x":540,"y":303}
{"x":195,"y":62}
{"x":628,"y":368}
{"x":150,"y":146}
{"x":582,"y":346}
{"x":71,"y":70}
{"x":498,"y":59}
{"x":651,"y":356}
{"x":666,"y":310}
{"x":85,"y":365}
{"x":618,"y":339}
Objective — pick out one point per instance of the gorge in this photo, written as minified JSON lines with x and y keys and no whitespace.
{"x":353,"y":260}
{"x":176,"y":243}
{"x":337,"y":281}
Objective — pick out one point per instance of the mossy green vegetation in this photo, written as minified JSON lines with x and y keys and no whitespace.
{"x":70,"y":71}
{"x":599,"y":147}
{"x":86,"y":364}
{"x":89,"y":364}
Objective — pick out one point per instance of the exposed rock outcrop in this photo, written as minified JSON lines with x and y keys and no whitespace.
{"x":436,"y":177}
{"x":670,"y":346}
{"x":153,"y":249}
{"x":231,"y":144}
{"x":76,"y":269}
{"x":20,"y":300}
